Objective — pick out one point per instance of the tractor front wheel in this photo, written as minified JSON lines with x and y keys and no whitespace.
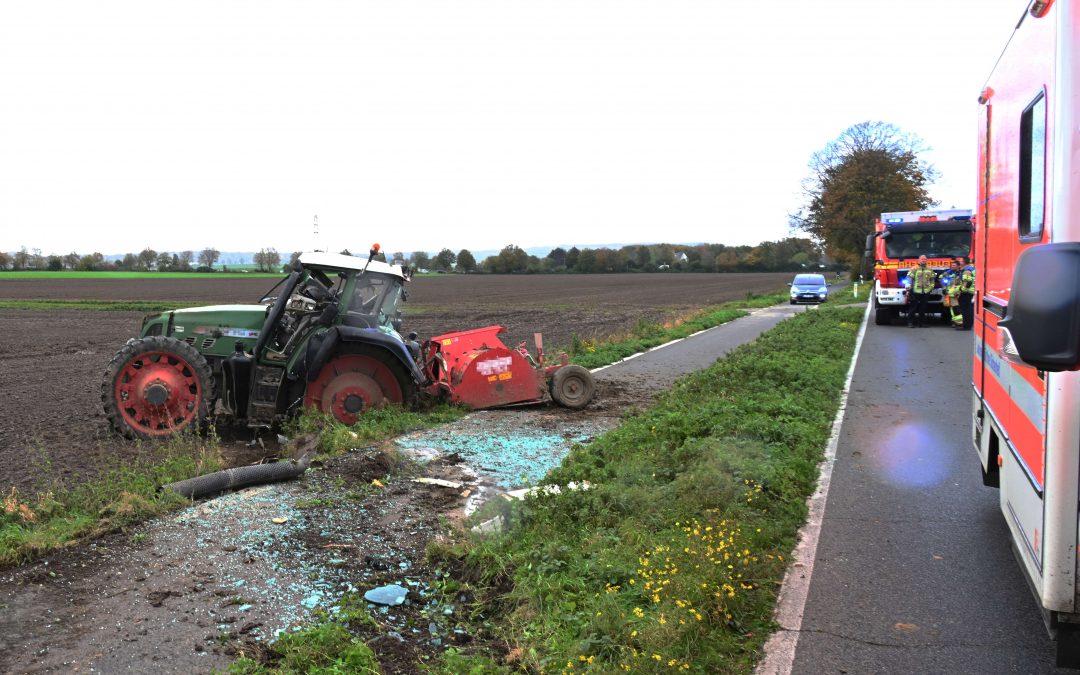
{"x":156,"y":386}
{"x":352,"y":383}
{"x":573,"y":387}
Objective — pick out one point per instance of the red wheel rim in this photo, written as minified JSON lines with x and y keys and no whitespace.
{"x":158,"y":393}
{"x":350,"y":384}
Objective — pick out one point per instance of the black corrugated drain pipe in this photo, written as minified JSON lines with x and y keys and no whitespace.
{"x":230,"y":479}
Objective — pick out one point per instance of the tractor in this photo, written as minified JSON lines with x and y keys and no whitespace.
{"x":327,"y":337}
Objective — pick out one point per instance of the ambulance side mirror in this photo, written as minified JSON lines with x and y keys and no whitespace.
{"x":1041,"y":327}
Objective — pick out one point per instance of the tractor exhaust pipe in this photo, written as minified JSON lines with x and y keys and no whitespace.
{"x":230,"y":479}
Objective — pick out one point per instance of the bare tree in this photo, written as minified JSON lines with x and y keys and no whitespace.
{"x":208,"y":256}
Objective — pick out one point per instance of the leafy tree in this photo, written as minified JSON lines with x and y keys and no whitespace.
{"x":727,"y":261}
{"x":208,"y":256}
{"x":664,"y":255}
{"x":183,"y":261}
{"x":558,"y":257}
{"x":164,"y":262}
{"x":5,"y":260}
{"x":92,"y":262}
{"x":444,"y":260}
{"x":54,"y":263}
{"x":586,"y":261}
{"x":643,"y":257}
{"x":129,"y":262}
{"x":510,"y":260}
{"x":572,"y":257}
{"x":420,"y":260}
{"x":871,"y":168}
{"x":146,"y":258}
{"x":397,"y":259}
{"x":71,"y":260}
{"x":465,"y":261}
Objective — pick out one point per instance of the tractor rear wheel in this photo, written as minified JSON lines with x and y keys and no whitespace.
{"x":355,"y":381}
{"x":156,"y":386}
{"x":573,"y":387}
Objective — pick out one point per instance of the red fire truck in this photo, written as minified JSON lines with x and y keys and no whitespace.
{"x":1026,"y":404}
{"x":898,"y":240}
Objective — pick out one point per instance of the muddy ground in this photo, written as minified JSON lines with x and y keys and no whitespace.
{"x":190,"y":593}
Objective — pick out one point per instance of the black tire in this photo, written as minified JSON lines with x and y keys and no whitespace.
{"x":883,"y":316}
{"x":155,"y":387}
{"x":573,"y":387}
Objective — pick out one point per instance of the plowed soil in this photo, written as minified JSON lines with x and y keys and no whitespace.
{"x":51,"y":362}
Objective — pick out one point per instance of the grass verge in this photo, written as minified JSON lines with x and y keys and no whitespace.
{"x":123,"y":494}
{"x":672,"y":561}
{"x":596,"y":353}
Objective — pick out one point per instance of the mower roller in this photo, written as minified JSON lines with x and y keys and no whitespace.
{"x":327,"y":337}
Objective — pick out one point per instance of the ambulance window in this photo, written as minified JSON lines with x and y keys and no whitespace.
{"x":1032,"y":169}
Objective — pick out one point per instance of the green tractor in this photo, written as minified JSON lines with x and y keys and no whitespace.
{"x":327,"y":337}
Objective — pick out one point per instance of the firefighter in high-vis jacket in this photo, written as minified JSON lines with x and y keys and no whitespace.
{"x":923,"y":280}
{"x":950,"y":281}
{"x":966,"y":295}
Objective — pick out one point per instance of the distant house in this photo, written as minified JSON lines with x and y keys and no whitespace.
{"x":680,"y":257}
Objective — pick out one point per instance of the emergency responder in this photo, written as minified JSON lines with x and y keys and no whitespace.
{"x":950,"y":281}
{"x":923,"y":279}
{"x":967,"y":294}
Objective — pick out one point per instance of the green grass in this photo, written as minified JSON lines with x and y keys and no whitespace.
{"x":123,"y":493}
{"x":99,"y":305}
{"x":673,"y":559}
{"x":72,"y":274}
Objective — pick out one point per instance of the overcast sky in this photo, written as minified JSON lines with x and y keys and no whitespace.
{"x":432,"y":124}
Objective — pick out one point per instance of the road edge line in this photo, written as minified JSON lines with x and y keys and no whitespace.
{"x":780,"y":648}
{"x":668,"y":344}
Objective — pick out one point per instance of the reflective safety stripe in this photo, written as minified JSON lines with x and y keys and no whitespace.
{"x":1027,"y":399}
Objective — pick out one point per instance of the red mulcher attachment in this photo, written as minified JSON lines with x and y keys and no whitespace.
{"x":476,"y":369}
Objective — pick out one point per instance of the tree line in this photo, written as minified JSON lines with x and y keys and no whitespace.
{"x":787,"y":254}
{"x":790,"y":254}
{"x":147,"y":260}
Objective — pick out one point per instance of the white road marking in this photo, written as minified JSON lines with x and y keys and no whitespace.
{"x":780,"y":648}
{"x":668,"y":344}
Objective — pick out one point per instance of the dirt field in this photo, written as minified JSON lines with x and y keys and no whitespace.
{"x":51,"y":423}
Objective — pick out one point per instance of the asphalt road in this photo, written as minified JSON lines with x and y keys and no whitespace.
{"x":663,"y":365}
{"x":913,"y":571}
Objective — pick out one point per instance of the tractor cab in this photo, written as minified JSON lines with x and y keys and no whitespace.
{"x":326,"y":289}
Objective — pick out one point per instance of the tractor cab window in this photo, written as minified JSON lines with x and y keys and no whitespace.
{"x":931,"y":244}
{"x":375,"y":298}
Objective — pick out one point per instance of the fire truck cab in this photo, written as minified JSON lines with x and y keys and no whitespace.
{"x":898,"y":240}
{"x":1026,"y":388}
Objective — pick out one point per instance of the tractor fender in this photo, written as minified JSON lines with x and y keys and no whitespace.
{"x":322,"y":347}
